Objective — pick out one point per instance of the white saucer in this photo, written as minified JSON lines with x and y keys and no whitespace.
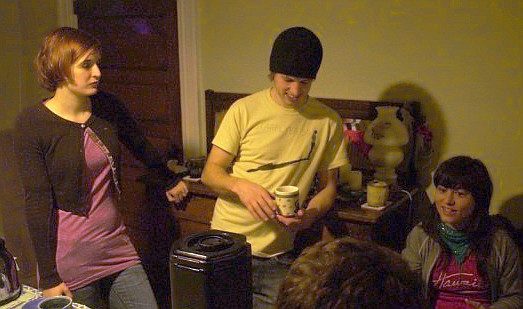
{"x":366,"y":206}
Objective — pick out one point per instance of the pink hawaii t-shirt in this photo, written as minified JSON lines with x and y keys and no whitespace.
{"x":455,"y":283}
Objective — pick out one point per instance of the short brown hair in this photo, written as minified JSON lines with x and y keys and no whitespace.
{"x":59,"y":51}
{"x":349,"y":273}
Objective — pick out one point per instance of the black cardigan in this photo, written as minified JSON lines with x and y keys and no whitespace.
{"x":51,"y":161}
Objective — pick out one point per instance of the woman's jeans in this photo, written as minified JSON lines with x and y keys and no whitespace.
{"x":268,"y":275}
{"x":127,"y":289}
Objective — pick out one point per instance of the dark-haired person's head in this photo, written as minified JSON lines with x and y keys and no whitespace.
{"x":349,"y":273}
{"x":458,"y":180}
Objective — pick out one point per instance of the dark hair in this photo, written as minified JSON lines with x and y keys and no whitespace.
{"x":59,"y":51}
{"x":464,"y":172}
{"x":349,"y":273}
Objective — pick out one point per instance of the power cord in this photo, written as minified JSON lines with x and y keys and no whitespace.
{"x":410,"y":209}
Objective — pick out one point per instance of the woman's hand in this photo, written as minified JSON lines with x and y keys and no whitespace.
{"x":58,"y":290}
{"x":178,"y":193}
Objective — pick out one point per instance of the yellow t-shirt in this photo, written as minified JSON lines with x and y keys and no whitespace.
{"x":275,"y":146}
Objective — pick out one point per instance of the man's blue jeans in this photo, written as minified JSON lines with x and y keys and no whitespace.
{"x":127,"y":289}
{"x":267,"y":277}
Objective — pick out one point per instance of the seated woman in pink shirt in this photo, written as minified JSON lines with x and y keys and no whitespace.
{"x":465,"y":257}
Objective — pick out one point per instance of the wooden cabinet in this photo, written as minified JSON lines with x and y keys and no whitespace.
{"x":197,"y":216}
{"x":196,"y":213}
{"x":388,"y":227}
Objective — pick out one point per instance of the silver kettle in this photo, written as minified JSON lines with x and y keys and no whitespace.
{"x":10,"y":287}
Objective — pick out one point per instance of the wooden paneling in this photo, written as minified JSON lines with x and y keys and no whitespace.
{"x":140,"y":66}
{"x":139,"y":59}
{"x":123,"y":7}
{"x":137,"y":43}
{"x":155,"y":97}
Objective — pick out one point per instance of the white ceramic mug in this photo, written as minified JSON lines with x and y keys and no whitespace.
{"x":56,"y":302}
{"x":287,"y":200}
{"x":377,"y":193}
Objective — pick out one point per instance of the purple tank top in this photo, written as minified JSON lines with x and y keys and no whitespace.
{"x":95,"y":246}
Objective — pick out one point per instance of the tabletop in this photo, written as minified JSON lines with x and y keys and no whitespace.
{"x":28,"y":295}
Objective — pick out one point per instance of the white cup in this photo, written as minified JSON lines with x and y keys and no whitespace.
{"x":56,"y":302}
{"x":287,"y":200}
{"x":377,"y":193}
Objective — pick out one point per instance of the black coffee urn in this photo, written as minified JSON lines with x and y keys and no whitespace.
{"x":211,"y":270}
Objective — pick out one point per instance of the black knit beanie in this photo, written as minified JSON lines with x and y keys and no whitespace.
{"x":296,"y":52}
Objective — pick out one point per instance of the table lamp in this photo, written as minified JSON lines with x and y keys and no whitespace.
{"x":386,"y":134}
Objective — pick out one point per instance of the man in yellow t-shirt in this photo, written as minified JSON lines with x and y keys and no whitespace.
{"x":278,"y":136}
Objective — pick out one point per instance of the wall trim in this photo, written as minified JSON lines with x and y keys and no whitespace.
{"x":66,"y":16}
{"x":191,"y":98}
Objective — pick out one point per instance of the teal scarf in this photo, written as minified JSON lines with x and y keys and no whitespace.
{"x":457,"y":241}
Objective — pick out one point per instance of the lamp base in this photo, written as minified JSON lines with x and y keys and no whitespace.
{"x":386,"y":174}
{"x":385,"y":160}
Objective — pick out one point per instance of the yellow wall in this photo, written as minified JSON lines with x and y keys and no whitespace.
{"x":23,"y":23}
{"x":461,"y":59}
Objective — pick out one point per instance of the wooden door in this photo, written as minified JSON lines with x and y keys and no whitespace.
{"x":140,"y":66}
{"x":140,"y":61}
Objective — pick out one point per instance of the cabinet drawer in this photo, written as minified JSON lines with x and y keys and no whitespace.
{"x":199,"y":209}
{"x":188,"y":227}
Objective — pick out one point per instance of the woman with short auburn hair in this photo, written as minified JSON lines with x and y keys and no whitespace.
{"x":58,"y":53}
{"x":69,"y":161}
